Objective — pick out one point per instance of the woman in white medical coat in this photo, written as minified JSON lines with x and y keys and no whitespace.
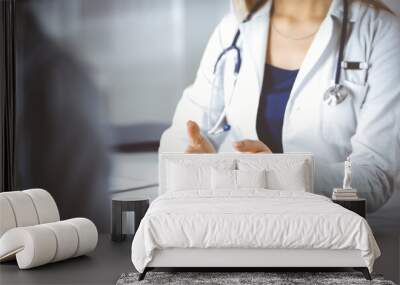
{"x":303,"y":36}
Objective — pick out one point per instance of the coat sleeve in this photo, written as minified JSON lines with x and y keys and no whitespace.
{"x":376,"y":144}
{"x":194,"y":102}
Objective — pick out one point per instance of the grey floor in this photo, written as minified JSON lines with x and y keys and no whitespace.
{"x":110,"y":260}
{"x":103,"y":266}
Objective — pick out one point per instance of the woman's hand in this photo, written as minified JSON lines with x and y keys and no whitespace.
{"x":197,"y":142}
{"x":251,"y":146}
{"x":200,"y":144}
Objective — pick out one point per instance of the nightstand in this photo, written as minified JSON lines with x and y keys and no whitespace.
{"x":358,"y":206}
{"x":137,"y":205}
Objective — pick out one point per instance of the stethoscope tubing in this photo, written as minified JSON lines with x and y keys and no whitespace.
{"x":343,"y":36}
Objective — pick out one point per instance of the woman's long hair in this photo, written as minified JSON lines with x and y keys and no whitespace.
{"x":242,"y":7}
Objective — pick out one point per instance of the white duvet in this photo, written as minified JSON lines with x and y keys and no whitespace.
{"x":250,"y":219}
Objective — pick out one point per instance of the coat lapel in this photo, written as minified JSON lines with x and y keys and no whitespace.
{"x":325,"y":37}
{"x":255,"y":38}
{"x":254,"y":35}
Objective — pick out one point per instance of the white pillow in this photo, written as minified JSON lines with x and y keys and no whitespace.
{"x":191,"y":174}
{"x":279,"y":178}
{"x":282,"y":173}
{"x":227,"y":179}
{"x":251,"y":178}
{"x":188,"y":177}
{"x":223,"y":179}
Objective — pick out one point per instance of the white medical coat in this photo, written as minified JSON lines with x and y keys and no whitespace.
{"x":365,"y":126}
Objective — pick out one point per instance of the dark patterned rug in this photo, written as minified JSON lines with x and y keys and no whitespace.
{"x":244,"y":278}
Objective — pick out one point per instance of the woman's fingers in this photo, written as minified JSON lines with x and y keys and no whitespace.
{"x":252,"y":146}
{"x":192,"y":149}
{"x":205,"y":147}
{"x":195,"y":137}
{"x":197,"y":142}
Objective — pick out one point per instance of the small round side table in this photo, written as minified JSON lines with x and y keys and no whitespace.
{"x":119,"y":206}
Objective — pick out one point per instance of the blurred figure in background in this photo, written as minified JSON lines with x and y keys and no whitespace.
{"x":61,"y":140}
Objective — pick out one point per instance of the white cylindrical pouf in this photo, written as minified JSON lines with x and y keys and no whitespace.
{"x":87,"y":233}
{"x":67,"y":240}
{"x":45,"y":205}
{"x":7,"y":218}
{"x":34,"y":246}
{"x":31,"y":232}
{"x":23,"y":208}
{"x":41,"y":244}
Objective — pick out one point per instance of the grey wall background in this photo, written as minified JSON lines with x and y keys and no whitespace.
{"x":142,"y":53}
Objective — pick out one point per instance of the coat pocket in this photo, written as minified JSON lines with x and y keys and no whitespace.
{"x":339,"y":123}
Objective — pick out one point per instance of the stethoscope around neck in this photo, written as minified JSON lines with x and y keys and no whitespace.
{"x":218,"y":124}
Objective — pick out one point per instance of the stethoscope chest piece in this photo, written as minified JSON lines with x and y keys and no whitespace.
{"x":336,"y":94}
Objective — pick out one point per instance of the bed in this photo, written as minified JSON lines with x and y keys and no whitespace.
{"x":247,"y":211}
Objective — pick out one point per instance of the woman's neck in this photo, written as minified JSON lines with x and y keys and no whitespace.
{"x":300,"y":10}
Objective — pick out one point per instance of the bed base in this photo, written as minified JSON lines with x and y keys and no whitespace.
{"x":242,"y":259}
{"x":363,"y":270}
